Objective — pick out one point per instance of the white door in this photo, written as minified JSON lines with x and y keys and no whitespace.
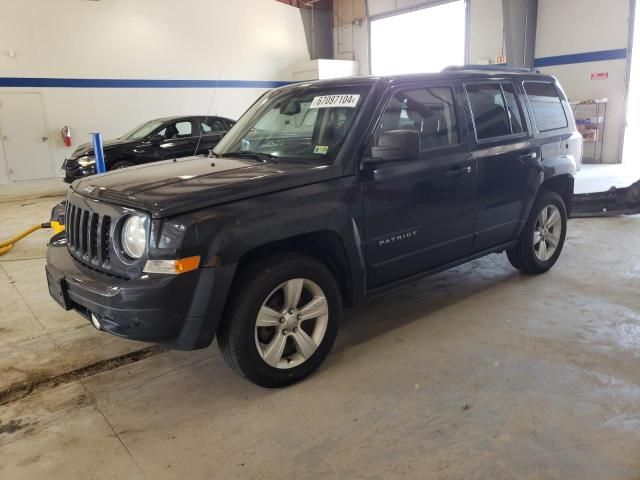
{"x":24,"y":136}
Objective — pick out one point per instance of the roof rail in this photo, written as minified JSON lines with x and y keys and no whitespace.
{"x":490,"y":68}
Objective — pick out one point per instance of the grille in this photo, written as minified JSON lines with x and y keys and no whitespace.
{"x":88,"y":235}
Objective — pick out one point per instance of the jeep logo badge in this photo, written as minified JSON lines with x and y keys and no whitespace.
{"x":89,"y":189}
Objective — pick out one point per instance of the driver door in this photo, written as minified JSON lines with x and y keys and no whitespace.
{"x":419,"y":213}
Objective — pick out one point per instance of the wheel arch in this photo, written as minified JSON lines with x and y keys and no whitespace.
{"x":563,"y":186}
{"x":326,"y":246}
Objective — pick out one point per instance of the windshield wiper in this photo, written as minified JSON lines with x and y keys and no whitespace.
{"x":260,"y":156}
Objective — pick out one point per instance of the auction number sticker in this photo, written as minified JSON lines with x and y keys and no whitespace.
{"x":334,"y":101}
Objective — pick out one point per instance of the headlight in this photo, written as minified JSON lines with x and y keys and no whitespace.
{"x":86,"y":160}
{"x":134,"y":236}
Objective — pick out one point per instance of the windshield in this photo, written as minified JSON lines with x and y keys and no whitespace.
{"x":306,"y":123}
{"x":141,"y":131}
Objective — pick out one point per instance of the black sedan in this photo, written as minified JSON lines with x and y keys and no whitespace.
{"x":160,"y":139}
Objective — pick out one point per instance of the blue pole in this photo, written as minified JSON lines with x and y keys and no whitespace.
{"x":99,"y":153}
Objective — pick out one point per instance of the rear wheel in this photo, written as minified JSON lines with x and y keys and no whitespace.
{"x":282,"y":321}
{"x":542,"y":237}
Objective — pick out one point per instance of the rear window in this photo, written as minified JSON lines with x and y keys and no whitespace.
{"x":546,"y":106}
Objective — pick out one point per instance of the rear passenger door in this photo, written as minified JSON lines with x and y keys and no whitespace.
{"x":419,"y":213}
{"x":507,"y":161}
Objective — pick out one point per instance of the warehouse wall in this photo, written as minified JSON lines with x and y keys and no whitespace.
{"x":350,"y":32}
{"x":573,"y":40}
{"x":255,"y":40}
{"x":485,"y":34}
{"x":599,"y":30}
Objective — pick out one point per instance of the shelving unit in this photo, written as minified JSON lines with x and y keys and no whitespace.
{"x":591,"y":118}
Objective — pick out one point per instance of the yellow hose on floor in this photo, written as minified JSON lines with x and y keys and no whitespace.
{"x":8,"y":245}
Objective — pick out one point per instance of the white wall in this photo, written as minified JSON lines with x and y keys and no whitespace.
{"x":144,"y":39}
{"x":572,"y":26}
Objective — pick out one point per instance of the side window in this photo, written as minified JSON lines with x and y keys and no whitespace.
{"x":490,"y":114}
{"x":546,"y":106}
{"x":184,"y":128}
{"x":211,"y":126}
{"x":173,"y":130}
{"x":430,"y":111}
{"x":513,"y":109}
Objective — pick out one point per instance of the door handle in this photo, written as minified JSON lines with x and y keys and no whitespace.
{"x":528,"y":156}
{"x":458,"y":171}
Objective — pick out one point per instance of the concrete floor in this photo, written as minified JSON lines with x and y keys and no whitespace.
{"x":477,"y":372}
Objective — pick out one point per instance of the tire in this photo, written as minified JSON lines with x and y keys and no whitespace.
{"x":278,"y":352}
{"x":535,"y":252}
{"x":121,"y":164}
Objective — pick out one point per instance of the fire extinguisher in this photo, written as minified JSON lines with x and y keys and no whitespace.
{"x":66,"y":136}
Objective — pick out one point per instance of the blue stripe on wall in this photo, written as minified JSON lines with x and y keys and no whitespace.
{"x":134,"y":83}
{"x":619,"y":54}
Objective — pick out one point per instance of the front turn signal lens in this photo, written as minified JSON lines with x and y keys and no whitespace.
{"x":172,"y":267}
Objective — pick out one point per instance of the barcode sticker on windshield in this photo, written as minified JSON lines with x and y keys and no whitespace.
{"x":335,"y":101}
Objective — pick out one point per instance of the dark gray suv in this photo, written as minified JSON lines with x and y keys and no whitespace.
{"x":322,"y":195}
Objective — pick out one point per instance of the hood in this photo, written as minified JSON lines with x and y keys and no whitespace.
{"x":171,"y":187}
{"x":87,"y":148}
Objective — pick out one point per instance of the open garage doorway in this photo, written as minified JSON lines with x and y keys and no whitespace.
{"x":425,"y":40}
{"x":631,"y":148}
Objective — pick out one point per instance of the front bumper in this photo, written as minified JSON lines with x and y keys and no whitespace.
{"x":179,"y":311}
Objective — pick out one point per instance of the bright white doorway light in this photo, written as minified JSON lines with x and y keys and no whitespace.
{"x":424,"y":40}
{"x":631,"y":147}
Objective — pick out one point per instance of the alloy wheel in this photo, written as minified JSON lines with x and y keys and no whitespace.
{"x":291,"y":323}
{"x":547,"y":233}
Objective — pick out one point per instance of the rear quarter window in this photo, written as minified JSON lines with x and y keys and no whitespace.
{"x":546,"y":106}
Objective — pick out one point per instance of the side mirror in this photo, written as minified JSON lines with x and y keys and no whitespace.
{"x":396,"y":145}
{"x":156,"y":139}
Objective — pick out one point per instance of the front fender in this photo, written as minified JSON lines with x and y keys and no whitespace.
{"x":224,"y":234}
{"x":245,"y":235}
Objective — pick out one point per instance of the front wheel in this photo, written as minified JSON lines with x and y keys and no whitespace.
{"x":542,"y":238}
{"x":282,"y":321}
{"x":122,"y":164}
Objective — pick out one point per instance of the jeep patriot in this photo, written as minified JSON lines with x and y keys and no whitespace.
{"x":323,"y":194}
